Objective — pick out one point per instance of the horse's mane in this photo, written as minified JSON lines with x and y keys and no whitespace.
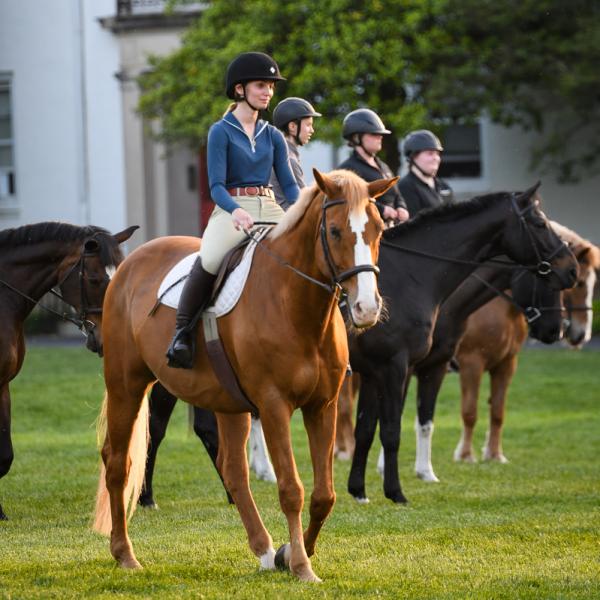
{"x":355,"y":192}
{"x":54,"y":231}
{"x":446,"y":212}
{"x":577,"y":243}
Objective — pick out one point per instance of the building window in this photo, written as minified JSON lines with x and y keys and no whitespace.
{"x":462,"y":152}
{"x":7,"y":163}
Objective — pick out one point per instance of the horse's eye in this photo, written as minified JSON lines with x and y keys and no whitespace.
{"x":580,"y":284}
{"x":335,"y":232}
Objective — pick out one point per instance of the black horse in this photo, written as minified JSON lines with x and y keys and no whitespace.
{"x":35,"y":259}
{"x":539,"y":304}
{"x":441,"y":247}
{"x":420,"y":289}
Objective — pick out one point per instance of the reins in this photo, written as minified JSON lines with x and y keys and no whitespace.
{"x":543,"y":267}
{"x":335,"y":286}
{"x":81,"y":322}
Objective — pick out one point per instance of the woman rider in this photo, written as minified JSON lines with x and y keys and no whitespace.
{"x":421,"y":187}
{"x":241,"y":152}
{"x":364,"y":130}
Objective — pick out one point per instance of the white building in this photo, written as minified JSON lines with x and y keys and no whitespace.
{"x":73,"y":148}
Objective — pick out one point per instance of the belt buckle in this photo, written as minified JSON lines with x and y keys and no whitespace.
{"x":252,"y":191}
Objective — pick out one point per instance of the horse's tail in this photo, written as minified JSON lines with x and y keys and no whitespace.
{"x":138,"y":449}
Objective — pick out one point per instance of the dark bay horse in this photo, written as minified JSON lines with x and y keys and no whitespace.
{"x":534,"y":300}
{"x":493,"y":338}
{"x":528,"y":295}
{"x":34,"y":259}
{"x":440,"y":248}
{"x":286,"y":340}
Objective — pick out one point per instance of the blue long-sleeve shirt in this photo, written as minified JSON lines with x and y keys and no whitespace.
{"x":234,"y":160}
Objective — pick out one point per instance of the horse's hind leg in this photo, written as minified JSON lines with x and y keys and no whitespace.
{"x":501,"y":376}
{"x":162,"y":404}
{"x":320,"y":427}
{"x":233,"y":434}
{"x":6,"y":448}
{"x":123,"y":405}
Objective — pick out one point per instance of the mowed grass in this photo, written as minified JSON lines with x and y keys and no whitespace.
{"x":529,"y":529}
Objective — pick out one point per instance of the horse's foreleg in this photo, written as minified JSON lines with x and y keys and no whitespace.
{"x":501,"y":376}
{"x":364,"y":432}
{"x":233,"y":432}
{"x":6,"y":448}
{"x":162,"y":404}
{"x":320,"y":427}
{"x":394,"y":382}
{"x":276,"y":425}
{"x":471,"y":370}
{"x":429,"y":381}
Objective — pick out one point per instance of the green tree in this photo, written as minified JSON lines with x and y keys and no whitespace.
{"x":418,"y":63}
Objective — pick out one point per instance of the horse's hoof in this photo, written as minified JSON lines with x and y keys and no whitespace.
{"x":282,"y":557}
{"x":361,"y":499}
{"x":427,"y":476}
{"x":397,"y":497}
{"x":148,"y":503}
{"x":343,"y":455}
{"x":306,"y":574}
{"x":130,"y":563}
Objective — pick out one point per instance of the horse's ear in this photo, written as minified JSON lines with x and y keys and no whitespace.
{"x":381,"y":186}
{"x":529,"y":193}
{"x":124,"y":235}
{"x":325,"y":184}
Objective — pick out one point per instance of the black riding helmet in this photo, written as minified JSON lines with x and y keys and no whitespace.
{"x":420,"y":140}
{"x":293,"y":110}
{"x":362,"y":120}
{"x":250,"y":66}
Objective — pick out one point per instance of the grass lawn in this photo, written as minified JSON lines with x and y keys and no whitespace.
{"x":529,"y":529}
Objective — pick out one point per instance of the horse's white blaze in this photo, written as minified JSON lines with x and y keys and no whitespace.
{"x":110,"y":270}
{"x":366,"y":297}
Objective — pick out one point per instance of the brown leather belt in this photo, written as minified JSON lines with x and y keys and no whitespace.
{"x":253,"y":190}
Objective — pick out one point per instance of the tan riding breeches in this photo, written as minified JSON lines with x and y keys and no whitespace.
{"x":220,"y":235}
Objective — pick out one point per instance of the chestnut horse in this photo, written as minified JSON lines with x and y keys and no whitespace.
{"x":494,"y":337}
{"x":34,"y":259}
{"x":286,"y":340}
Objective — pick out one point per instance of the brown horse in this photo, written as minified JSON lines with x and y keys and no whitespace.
{"x":34,"y":259}
{"x":286,"y":340}
{"x":494,"y":337}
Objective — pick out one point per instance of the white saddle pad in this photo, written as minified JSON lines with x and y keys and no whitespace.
{"x":170,"y":289}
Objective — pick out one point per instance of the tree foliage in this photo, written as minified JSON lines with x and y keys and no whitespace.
{"x":418,"y":63}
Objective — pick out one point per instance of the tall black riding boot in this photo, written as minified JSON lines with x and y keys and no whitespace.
{"x":194,"y":299}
